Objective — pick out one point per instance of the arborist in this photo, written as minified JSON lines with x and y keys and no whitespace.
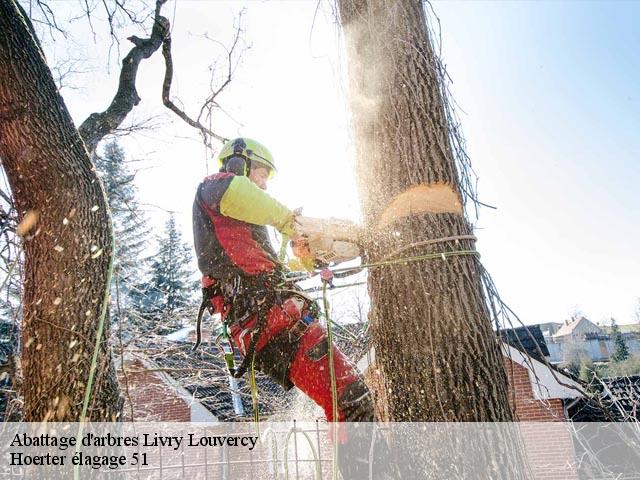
{"x":273,"y":324}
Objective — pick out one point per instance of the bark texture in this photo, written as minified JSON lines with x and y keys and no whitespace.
{"x":68,"y":247}
{"x":431,"y":328}
{"x":438,"y":356}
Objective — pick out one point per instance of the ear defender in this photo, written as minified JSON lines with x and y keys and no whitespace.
{"x":236,"y":165}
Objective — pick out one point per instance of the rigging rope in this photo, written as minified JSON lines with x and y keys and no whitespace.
{"x":332,"y":376}
{"x":325,"y":301}
{"x":96,"y":349}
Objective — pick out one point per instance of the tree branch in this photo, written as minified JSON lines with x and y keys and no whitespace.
{"x":166,"y":95}
{"x":97,"y":125}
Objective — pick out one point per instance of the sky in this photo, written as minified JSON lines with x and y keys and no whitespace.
{"x":547,"y":97}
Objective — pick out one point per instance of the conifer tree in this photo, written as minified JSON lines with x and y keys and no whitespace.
{"x":170,"y":287}
{"x":129,"y":223}
{"x":621,"y":351}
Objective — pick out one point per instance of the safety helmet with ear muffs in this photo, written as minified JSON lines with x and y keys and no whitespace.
{"x":238,"y":155}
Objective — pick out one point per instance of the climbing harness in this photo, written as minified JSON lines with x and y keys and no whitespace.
{"x":208,"y":293}
{"x":272,"y":295}
{"x":242,"y":302}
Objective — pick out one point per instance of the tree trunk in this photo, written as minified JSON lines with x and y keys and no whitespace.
{"x":431,"y":327}
{"x":67,"y":235}
{"x":438,"y":356}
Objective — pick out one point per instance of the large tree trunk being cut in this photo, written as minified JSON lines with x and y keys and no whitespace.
{"x":67,"y":235}
{"x":437,"y":353}
{"x":430,"y":324}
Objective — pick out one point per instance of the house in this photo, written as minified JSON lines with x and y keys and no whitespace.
{"x":162,"y":379}
{"x":579,"y":338}
{"x":539,"y":394}
{"x":575,"y":329}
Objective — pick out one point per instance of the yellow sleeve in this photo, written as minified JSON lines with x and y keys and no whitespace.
{"x":245,"y":201}
{"x":301,"y":264}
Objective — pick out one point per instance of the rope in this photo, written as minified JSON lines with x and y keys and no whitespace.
{"x":332,"y":375}
{"x":101,"y":322}
{"x":417,"y":258}
{"x":96,"y":349}
{"x":430,"y":242}
{"x":254,"y":395}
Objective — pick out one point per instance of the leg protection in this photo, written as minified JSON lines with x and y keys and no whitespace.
{"x":276,"y":357}
{"x":276,"y":347}
{"x":356,"y":403}
{"x":310,"y":373}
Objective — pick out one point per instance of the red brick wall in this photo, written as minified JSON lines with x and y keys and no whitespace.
{"x":152,"y":398}
{"x":546,"y":438}
{"x":522,"y":400}
{"x":548,"y":445}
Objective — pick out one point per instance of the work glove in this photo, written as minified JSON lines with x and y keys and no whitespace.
{"x":292,"y":228}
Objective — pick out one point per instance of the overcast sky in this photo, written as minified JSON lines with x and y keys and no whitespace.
{"x":548,"y":102}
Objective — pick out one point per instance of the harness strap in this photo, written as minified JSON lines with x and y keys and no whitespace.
{"x":203,"y":307}
{"x":207,"y":294}
{"x":261,"y":323}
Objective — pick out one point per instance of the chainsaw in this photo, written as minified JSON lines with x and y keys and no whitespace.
{"x":328,"y":241}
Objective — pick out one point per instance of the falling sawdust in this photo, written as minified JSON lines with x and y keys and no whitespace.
{"x":29,"y":221}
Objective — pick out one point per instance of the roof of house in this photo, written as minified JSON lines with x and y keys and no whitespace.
{"x":205,"y":376}
{"x":571,"y":325}
{"x":618,"y":402}
{"x":528,"y":339}
{"x":625,"y":393}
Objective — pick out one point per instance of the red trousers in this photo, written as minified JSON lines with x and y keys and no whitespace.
{"x":309,"y":370}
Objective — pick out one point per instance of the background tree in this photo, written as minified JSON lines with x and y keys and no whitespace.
{"x":129,"y":222}
{"x":589,"y":375}
{"x":620,"y":348}
{"x":67,"y":236}
{"x":167,"y":295}
{"x":52,"y":184}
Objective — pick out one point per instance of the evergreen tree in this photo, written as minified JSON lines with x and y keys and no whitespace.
{"x":587,"y":374}
{"x":621,"y":351}
{"x":129,"y":226}
{"x":170,"y":287}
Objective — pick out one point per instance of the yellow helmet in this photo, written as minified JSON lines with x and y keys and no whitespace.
{"x":250,"y":151}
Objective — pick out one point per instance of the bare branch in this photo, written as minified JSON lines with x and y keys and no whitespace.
{"x":49,"y":17}
{"x":166,"y":95}
{"x":97,"y":125}
{"x":210,"y":104}
{"x":65,"y":69}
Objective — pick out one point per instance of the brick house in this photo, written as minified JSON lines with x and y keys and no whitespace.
{"x":167,"y":382}
{"x":540,"y":395}
{"x":164,"y":387}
